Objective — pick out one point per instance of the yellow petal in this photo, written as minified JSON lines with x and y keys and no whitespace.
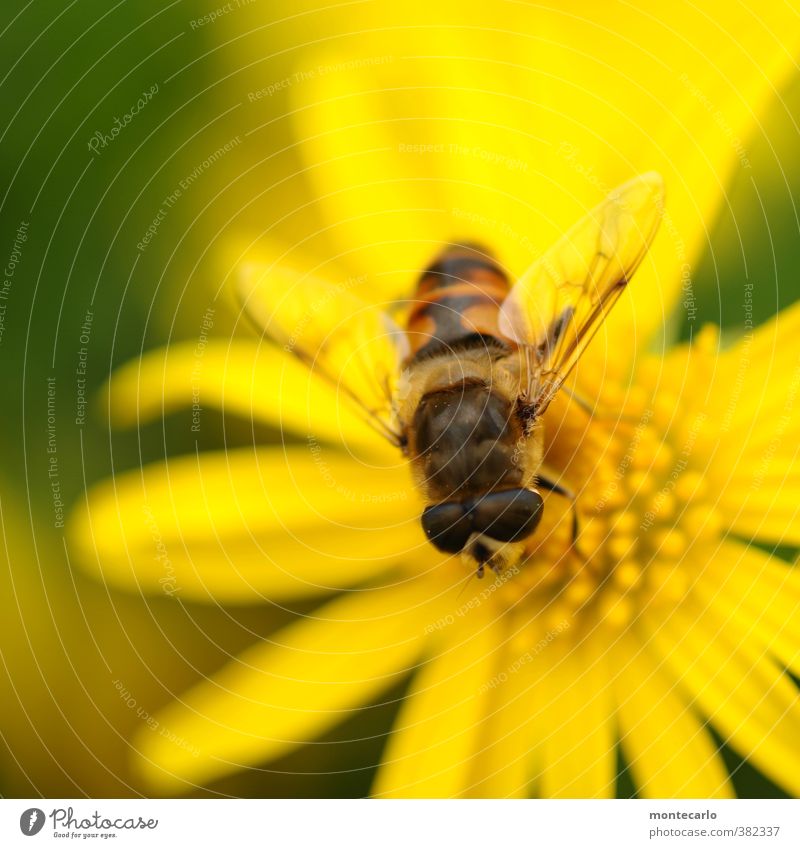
{"x":767,"y":519}
{"x":433,"y":132}
{"x":508,"y":761}
{"x":760,"y":592}
{"x":280,"y":693}
{"x":379,"y":201}
{"x":669,"y":751}
{"x":750,"y":701}
{"x":573,"y":700}
{"x":437,"y":734}
{"x":274,"y":568}
{"x":283,"y":523}
{"x":755,"y":394}
{"x":247,"y":378}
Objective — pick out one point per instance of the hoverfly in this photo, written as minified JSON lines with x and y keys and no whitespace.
{"x":461,"y":384}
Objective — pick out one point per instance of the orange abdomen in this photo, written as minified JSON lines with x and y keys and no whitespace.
{"x":457,"y":302}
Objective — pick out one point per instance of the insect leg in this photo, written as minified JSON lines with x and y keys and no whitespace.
{"x":549,"y":485}
{"x":596,"y":410}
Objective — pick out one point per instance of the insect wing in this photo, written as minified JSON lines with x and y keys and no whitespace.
{"x":557,"y":306}
{"x":353,"y":345}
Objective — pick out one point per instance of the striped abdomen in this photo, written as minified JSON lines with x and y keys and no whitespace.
{"x":457,"y":302}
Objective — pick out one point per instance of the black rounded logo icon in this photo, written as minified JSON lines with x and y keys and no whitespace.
{"x":31,"y":821}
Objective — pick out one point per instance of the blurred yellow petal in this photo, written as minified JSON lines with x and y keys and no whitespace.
{"x":438,"y":731}
{"x":767,"y":518}
{"x":283,"y":692}
{"x":750,"y":701}
{"x":247,"y":378}
{"x":273,"y":568}
{"x":756,"y":393}
{"x":578,"y":745}
{"x":429,"y":133}
{"x":283,"y":522}
{"x":506,"y":762}
{"x":669,"y":751}
{"x":382,"y":205}
{"x":760,"y":592}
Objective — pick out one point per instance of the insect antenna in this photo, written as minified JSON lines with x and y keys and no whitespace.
{"x":465,"y":583}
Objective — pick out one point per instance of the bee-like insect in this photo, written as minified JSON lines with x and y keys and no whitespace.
{"x":461,"y":388}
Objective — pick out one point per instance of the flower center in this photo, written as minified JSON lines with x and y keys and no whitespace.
{"x":640,"y":506}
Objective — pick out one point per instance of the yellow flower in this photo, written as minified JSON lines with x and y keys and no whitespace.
{"x":524,"y":683}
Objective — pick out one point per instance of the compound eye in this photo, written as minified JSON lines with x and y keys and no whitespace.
{"x":509,"y":515}
{"x":447,"y":526}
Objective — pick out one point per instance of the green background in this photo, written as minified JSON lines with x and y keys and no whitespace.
{"x":68,"y":69}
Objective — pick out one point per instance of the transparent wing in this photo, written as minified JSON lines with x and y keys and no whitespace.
{"x":557,"y":306}
{"x":353,"y":345}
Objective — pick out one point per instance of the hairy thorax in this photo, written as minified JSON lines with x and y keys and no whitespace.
{"x":465,"y":429}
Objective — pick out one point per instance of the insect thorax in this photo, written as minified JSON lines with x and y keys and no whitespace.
{"x":465,"y":433}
